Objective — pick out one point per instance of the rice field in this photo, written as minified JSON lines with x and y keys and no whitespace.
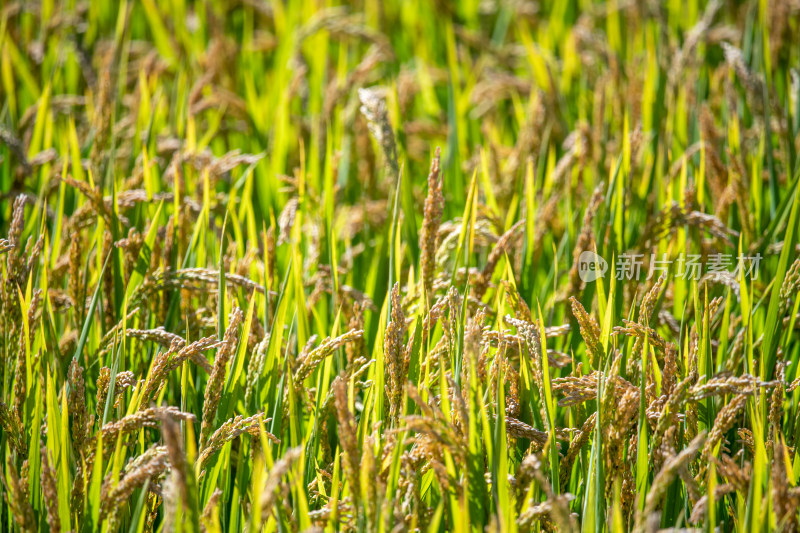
{"x":496,"y":265}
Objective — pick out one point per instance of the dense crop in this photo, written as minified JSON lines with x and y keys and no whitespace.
{"x":402,"y":266}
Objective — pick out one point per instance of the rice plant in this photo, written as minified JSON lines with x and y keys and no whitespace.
{"x":498,"y":265}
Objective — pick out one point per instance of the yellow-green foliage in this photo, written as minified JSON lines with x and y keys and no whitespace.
{"x":292,"y":265}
